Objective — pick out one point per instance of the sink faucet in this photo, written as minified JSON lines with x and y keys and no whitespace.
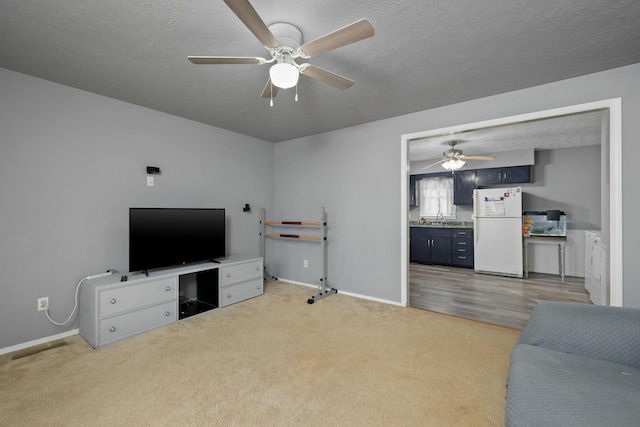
{"x":439,"y":216}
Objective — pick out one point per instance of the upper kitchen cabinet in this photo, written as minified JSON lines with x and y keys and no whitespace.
{"x":509,"y":175}
{"x":464,"y":182}
{"x":413,"y":200}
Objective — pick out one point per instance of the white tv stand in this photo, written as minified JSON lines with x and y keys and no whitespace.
{"x":111,"y":309}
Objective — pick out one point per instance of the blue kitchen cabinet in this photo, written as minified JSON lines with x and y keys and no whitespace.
{"x":413,"y":199}
{"x":430,"y":245}
{"x":462,"y":247}
{"x":464,"y":182}
{"x":508,"y":175}
{"x":419,"y":247}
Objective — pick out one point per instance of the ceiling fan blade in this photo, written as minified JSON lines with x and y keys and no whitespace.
{"x":477,"y":157}
{"x":226,"y":60}
{"x":436,"y":163}
{"x":269,"y":90}
{"x":253,"y":22}
{"x":346,"y":35}
{"x":327,"y":77}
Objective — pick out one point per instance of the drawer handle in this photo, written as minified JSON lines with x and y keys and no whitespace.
{"x":258,"y":287}
{"x":168,"y":288}
{"x":167,"y":314}
{"x":462,"y":233}
{"x":228,"y":274}
{"x":112,"y":329}
{"x":113,"y":301}
{"x":228,"y":295}
{"x":462,"y":243}
{"x":462,"y":257}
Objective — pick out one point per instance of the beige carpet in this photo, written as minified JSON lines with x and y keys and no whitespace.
{"x":272,"y":361}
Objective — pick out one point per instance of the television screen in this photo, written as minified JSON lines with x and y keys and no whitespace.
{"x":161,"y":237}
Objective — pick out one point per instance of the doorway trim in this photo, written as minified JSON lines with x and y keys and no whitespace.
{"x":614,"y":259}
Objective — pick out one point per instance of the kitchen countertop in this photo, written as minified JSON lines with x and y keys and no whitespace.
{"x":442,"y":224}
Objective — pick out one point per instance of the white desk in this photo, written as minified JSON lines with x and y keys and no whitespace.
{"x":560,"y":241}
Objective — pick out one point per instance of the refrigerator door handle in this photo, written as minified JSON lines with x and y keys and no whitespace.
{"x":475,"y":214}
{"x":475,"y":228}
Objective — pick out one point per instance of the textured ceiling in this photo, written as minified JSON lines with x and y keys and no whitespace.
{"x":425,"y":54}
{"x":574,"y":130}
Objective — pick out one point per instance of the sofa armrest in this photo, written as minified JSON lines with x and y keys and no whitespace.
{"x":600,"y":332}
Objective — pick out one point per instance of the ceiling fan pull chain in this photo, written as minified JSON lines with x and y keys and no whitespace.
{"x":271,"y":102}
{"x":296,"y":98}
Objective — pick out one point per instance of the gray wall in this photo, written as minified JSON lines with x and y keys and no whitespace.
{"x":355,"y":172}
{"x":567,"y":179}
{"x":72,"y":163}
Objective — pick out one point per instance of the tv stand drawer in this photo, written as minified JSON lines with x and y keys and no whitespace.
{"x":127,"y":297}
{"x":240,"y":272}
{"x":119,"y":327}
{"x":240,"y":292}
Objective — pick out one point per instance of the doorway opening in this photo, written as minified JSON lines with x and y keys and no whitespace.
{"x":611,"y":220}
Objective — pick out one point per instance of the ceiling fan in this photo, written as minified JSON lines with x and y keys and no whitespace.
{"x":454,"y":159}
{"x":283,"y":41}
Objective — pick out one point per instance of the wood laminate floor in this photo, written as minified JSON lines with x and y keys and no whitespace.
{"x":498,"y":300}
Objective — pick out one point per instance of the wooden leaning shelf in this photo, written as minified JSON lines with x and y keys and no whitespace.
{"x":323,"y":290}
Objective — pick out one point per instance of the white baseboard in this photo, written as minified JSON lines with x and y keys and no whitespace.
{"x":351,"y":294}
{"x":44,"y":340}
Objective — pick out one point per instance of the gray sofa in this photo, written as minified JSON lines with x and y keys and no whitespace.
{"x":576,"y":365}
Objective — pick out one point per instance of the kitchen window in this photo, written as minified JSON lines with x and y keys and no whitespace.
{"x":436,"y":198}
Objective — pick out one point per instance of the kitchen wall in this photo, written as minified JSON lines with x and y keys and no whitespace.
{"x":567,"y":179}
{"x":71,"y":165}
{"x":355,"y":172}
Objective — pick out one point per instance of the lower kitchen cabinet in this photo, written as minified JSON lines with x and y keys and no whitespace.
{"x":462,"y":247}
{"x":430,"y":245}
{"x":442,"y":246}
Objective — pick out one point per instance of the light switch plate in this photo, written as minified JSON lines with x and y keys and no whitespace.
{"x":149,"y":181}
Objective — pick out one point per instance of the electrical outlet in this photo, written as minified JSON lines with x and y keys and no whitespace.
{"x":305,"y":263}
{"x":43,"y":303}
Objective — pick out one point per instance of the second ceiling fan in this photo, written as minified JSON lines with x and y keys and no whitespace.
{"x":454,"y":159}
{"x":283,"y":41}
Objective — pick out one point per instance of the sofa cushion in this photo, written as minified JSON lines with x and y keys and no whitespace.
{"x":552,"y":388}
{"x":601,"y":332}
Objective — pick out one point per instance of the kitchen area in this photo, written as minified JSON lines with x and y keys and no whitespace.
{"x":524,"y":222}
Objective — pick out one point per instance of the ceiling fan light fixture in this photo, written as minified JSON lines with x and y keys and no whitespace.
{"x":453,"y":164}
{"x":284,"y":75}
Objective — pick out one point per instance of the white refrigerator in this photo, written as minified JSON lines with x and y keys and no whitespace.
{"x":497,"y":219}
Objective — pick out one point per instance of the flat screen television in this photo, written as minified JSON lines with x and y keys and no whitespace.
{"x":166,"y":237}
